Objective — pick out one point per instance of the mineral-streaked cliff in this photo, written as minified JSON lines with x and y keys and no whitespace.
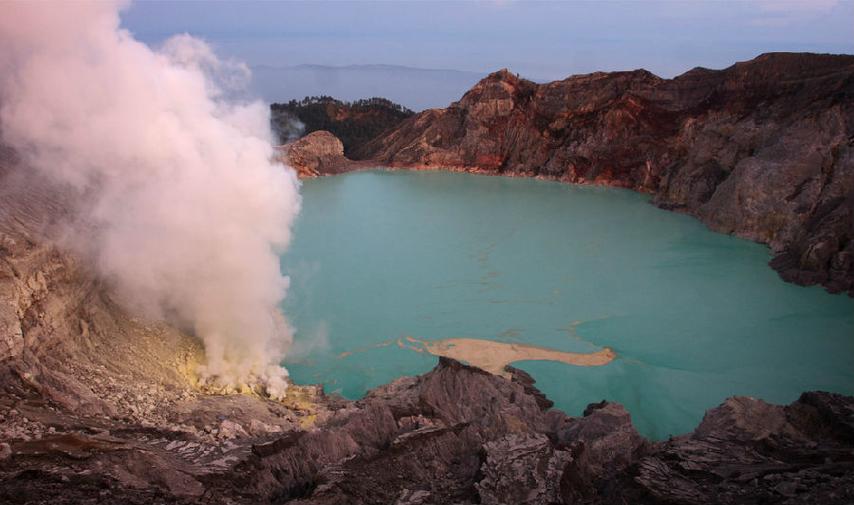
{"x":763,"y":149}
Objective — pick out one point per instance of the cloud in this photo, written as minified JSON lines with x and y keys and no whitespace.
{"x":781,"y":13}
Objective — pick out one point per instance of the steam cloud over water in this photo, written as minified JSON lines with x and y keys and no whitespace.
{"x":177,"y":202}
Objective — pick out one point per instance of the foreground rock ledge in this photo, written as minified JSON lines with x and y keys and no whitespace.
{"x":454,"y":435}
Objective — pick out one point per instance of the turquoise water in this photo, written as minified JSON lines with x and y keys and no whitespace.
{"x":693,"y":315}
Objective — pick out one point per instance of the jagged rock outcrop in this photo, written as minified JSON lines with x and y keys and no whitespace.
{"x":763,"y":149}
{"x":747,"y":451}
{"x":460,"y":435}
{"x":318,"y":153}
{"x":454,"y":435}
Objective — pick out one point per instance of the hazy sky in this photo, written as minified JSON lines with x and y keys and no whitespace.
{"x":539,"y":40}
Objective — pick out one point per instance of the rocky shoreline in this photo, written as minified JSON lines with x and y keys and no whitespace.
{"x":99,"y":407}
{"x":454,"y":435}
{"x":763,"y":149}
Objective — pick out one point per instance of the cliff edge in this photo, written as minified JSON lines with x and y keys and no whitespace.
{"x":762,"y":149}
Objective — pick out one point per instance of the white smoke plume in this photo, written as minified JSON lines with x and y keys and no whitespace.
{"x":180,"y":207}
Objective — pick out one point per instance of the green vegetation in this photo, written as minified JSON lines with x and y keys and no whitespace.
{"x":355,"y":123}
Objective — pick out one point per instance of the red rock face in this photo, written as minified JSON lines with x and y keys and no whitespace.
{"x":318,"y":153}
{"x":762,"y":149}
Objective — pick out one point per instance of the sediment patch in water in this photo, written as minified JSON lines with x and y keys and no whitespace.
{"x":548,"y":276}
{"x":494,"y":356}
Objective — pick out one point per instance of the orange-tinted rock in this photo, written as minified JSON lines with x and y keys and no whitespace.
{"x":762,"y":149}
{"x":318,"y":153}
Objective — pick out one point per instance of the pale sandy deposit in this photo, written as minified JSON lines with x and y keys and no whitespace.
{"x":494,"y":356}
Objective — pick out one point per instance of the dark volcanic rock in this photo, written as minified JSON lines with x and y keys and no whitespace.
{"x":522,"y":469}
{"x":459,"y":435}
{"x":763,"y":149}
{"x":747,"y":451}
{"x":422,"y":434}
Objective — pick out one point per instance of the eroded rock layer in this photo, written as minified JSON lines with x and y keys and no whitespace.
{"x":763,"y":149}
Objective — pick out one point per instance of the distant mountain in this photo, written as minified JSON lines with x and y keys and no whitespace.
{"x":415,"y":88}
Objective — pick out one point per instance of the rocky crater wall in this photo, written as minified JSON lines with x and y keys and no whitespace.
{"x":763,"y":149}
